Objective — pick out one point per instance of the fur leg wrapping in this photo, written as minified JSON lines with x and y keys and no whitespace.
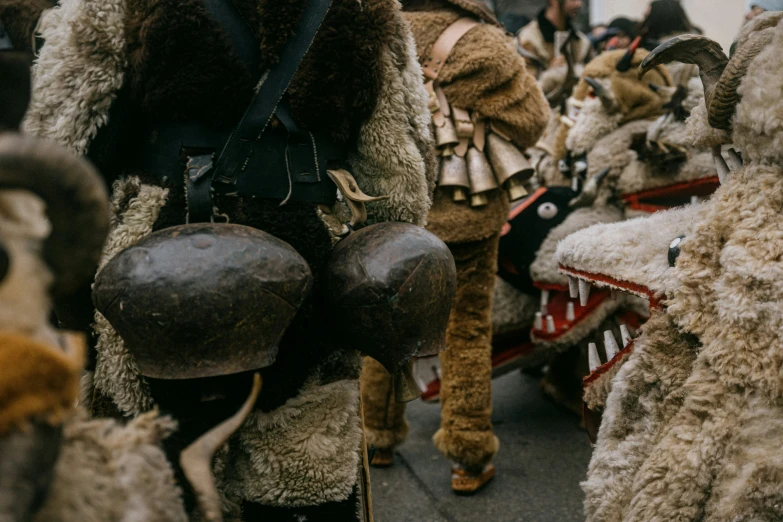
{"x":465,"y":433}
{"x":135,"y":207}
{"x":384,"y":418}
{"x":303,"y":453}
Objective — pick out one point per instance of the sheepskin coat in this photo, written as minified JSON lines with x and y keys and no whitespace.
{"x":538,"y":38}
{"x":109,"y":66}
{"x":483,"y":74}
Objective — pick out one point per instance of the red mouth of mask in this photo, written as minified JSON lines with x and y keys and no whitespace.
{"x":676,"y":195}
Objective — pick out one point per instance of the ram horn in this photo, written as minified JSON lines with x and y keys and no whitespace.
{"x":721,"y":77}
{"x":196,"y":459}
{"x":725,"y":97}
{"x":607,"y":100}
{"x":707,"y":54}
{"x":76,"y":203}
{"x":590,"y":191}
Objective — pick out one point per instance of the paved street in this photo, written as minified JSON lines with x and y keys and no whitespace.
{"x":543,"y":456}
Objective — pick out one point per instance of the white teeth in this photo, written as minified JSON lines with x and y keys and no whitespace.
{"x":584,"y":292}
{"x":626,"y":335}
{"x":550,"y":324}
{"x":575,"y":184}
{"x":573,"y":287}
{"x":610,"y":345}
{"x":735,"y":162}
{"x":570,"y":316}
{"x":538,"y":322}
{"x":544,"y":301}
{"x":592,"y":356}
{"x":694,"y":200}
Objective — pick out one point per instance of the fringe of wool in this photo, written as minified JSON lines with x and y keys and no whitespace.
{"x":78,"y":72}
{"x":303,"y":453}
{"x":116,"y":373}
{"x":393,"y":149}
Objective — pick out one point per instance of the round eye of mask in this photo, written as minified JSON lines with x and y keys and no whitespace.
{"x":547,"y":210}
{"x":674,"y":250}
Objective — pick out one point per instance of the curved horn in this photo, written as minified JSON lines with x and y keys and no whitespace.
{"x":692,"y":49}
{"x":196,"y":459}
{"x":724,"y":98}
{"x":76,"y":203}
{"x":601,"y":92}
{"x":590,"y":191}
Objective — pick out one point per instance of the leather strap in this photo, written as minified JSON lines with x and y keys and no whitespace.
{"x":443,"y":46}
{"x":242,"y":38}
{"x":239,"y":147}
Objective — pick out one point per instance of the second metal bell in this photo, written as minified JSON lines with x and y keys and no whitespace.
{"x":446,"y":134}
{"x":482,"y":179}
{"x":454,"y":174}
{"x":507,"y":160}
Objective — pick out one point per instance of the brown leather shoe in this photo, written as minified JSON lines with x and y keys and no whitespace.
{"x":464,"y":482}
{"x":382,"y":458}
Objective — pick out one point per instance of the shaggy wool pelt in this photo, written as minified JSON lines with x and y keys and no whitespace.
{"x":393,"y":155}
{"x":646,"y":392}
{"x":78,"y":71}
{"x":304,"y":453}
{"x":110,"y":472}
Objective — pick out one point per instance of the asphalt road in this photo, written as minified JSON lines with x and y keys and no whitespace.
{"x":543,"y":457}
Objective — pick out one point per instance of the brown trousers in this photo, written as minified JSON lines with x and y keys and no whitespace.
{"x":465,"y":435}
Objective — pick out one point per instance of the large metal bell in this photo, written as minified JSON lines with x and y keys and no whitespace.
{"x":390,"y":289}
{"x":482,"y":179}
{"x":454,"y":174}
{"x":507,"y":160}
{"x":203,"y":300}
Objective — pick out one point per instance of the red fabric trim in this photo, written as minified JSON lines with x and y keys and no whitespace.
{"x":623,"y":285}
{"x":550,"y":286}
{"x":699,"y":187}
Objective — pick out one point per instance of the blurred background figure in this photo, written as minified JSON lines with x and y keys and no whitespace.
{"x":617,"y":35}
{"x":553,"y":25}
{"x":756,"y":7}
{"x":664,"y":19}
{"x":624,"y":31}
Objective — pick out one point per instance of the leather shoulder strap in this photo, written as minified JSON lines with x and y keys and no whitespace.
{"x":442,"y":47}
{"x":275,"y":82}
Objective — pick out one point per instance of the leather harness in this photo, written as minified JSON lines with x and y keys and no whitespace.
{"x":282,"y":163}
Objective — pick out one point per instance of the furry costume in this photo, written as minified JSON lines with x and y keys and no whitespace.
{"x":109,"y":66}
{"x":619,"y":138}
{"x":713,"y":452}
{"x":482,"y":74}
